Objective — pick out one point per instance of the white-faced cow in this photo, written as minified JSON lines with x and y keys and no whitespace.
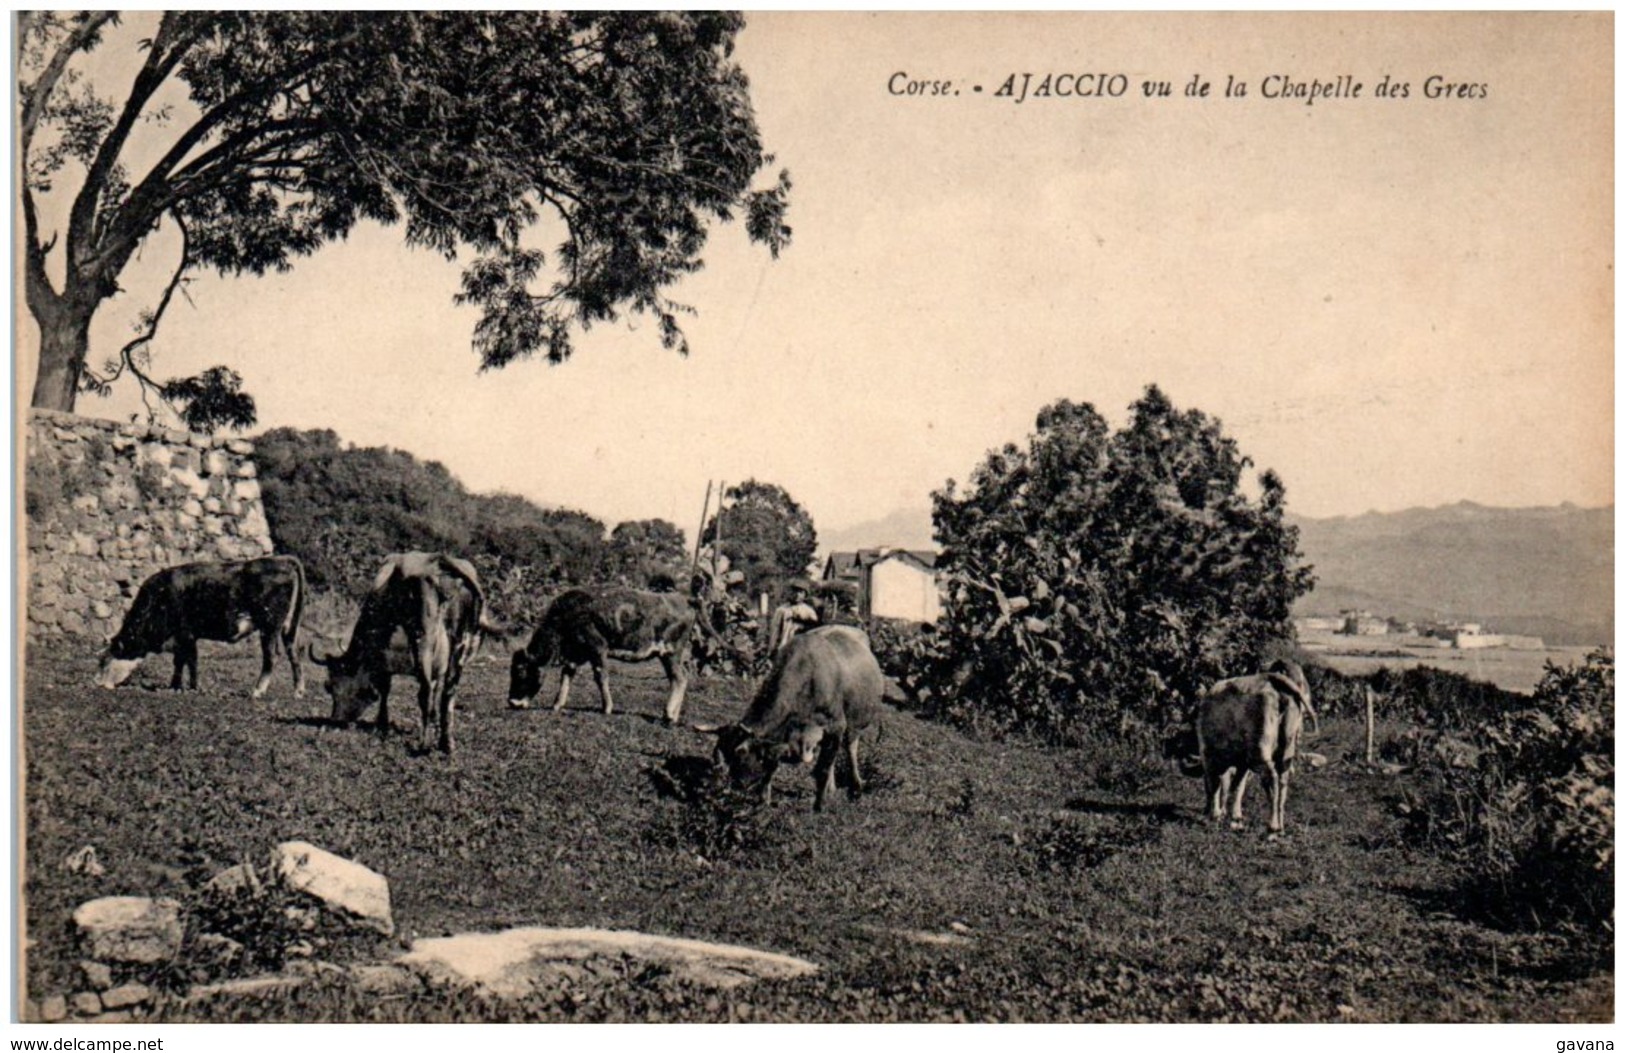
{"x":177,"y":607}
{"x":823,"y":691}
{"x":584,"y":627}
{"x":437,"y":602}
{"x":1250,"y":723}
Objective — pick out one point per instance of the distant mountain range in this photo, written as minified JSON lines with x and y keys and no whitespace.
{"x":1545,"y":572}
{"x":904,"y":528}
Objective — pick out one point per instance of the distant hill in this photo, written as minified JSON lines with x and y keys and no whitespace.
{"x":904,"y":528}
{"x":1543,"y":571}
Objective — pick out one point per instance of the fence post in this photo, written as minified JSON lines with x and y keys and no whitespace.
{"x":1370,"y":726}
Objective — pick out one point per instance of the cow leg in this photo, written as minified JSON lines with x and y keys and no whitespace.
{"x":380,"y":684}
{"x":1278,"y":779}
{"x":290,"y":644}
{"x":1217,"y":785}
{"x":185,"y":663}
{"x":852,"y":755}
{"x":1236,"y":821}
{"x":566,"y":671}
{"x":267,"y":653}
{"x":824,"y":770}
{"x":676,"y":672}
{"x":603,"y":687}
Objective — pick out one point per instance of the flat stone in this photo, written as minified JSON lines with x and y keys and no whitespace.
{"x":515,"y":963}
{"x":215,"y":462}
{"x":193,"y":483}
{"x":384,"y":980}
{"x":156,"y":453}
{"x":53,"y":1008}
{"x":253,"y":987}
{"x":241,"y":447}
{"x":340,"y":884}
{"x":197,"y":440}
{"x":98,"y":977}
{"x":86,"y":1003}
{"x":246,"y":490}
{"x":247,"y":470}
{"x":126,"y":995}
{"x":129,"y":928}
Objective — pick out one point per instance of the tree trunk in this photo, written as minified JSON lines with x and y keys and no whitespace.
{"x":64,"y":343}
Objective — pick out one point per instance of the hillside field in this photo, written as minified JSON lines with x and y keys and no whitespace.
{"x":977,"y":881}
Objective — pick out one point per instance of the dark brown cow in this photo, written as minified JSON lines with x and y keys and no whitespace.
{"x":437,"y":602}
{"x":1250,"y":723}
{"x":823,"y":691}
{"x":178,"y":606}
{"x":585,"y":627}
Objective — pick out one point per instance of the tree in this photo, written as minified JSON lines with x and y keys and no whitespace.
{"x":766,"y":535}
{"x":630,"y":131}
{"x":643,"y":548}
{"x":1097,"y":580}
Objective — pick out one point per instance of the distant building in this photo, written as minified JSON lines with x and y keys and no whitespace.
{"x":1363,"y":623}
{"x":890,"y":582}
{"x":1317,"y":624}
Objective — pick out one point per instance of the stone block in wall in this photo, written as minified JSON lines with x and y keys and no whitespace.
{"x":87,"y":503}
{"x":212,"y":506}
{"x":192,"y":508}
{"x":213,"y":526}
{"x":84,"y":544}
{"x":215,"y":462}
{"x":247,"y":470}
{"x":157,"y":453}
{"x":197,"y":441}
{"x":253,"y":522}
{"x":190,"y":481}
{"x":241,"y":447}
{"x":247,"y":490}
{"x":73,"y":623}
{"x":186,"y":458}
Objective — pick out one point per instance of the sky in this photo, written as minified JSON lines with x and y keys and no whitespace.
{"x":1391,"y":302}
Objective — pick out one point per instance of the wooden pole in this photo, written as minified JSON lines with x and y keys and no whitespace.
{"x":716,"y":539}
{"x":1370,"y":727}
{"x":699,"y":534}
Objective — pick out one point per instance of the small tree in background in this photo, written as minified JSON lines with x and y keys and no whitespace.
{"x":766,"y":535}
{"x":1096,"y":580}
{"x":641,"y":549}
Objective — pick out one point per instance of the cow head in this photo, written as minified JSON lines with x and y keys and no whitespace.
{"x":351,"y":687}
{"x":747,"y":758}
{"x":117,"y":664}
{"x":802,"y":741}
{"x":524,"y":679}
{"x":114,"y":671}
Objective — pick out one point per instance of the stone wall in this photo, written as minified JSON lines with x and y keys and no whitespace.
{"x":107,"y":504}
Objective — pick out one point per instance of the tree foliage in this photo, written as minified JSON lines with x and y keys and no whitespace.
{"x":628,"y":132}
{"x":1528,"y":805}
{"x":342,"y":509}
{"x":642,"y":550}
{"x":1095,"y":580}
{"x":766,"y":535}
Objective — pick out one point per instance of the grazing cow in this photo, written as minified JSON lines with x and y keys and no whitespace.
{"x":437,"y":603}
{"x":1247,"y":723}
{"x":585,"y":627}
{"x":177,"y":607}
{"x":824,"y":690}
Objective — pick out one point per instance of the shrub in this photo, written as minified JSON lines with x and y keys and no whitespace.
{"x":1533,"y":819}
{"x":1096,"y":580}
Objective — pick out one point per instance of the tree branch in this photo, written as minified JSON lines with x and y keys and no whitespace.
{"x":40,"y":90}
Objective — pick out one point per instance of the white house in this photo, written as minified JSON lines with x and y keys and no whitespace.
{"x":891,"y":582}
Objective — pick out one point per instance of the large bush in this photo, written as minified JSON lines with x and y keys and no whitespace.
{"x":1533,"y":818}
{"x":1096,"y":580}
{"x":342,"y":509}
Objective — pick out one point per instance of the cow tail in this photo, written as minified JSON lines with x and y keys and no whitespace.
{"x":296,"y":610}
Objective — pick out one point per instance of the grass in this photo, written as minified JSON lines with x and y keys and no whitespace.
{"x":1082,"y":884}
